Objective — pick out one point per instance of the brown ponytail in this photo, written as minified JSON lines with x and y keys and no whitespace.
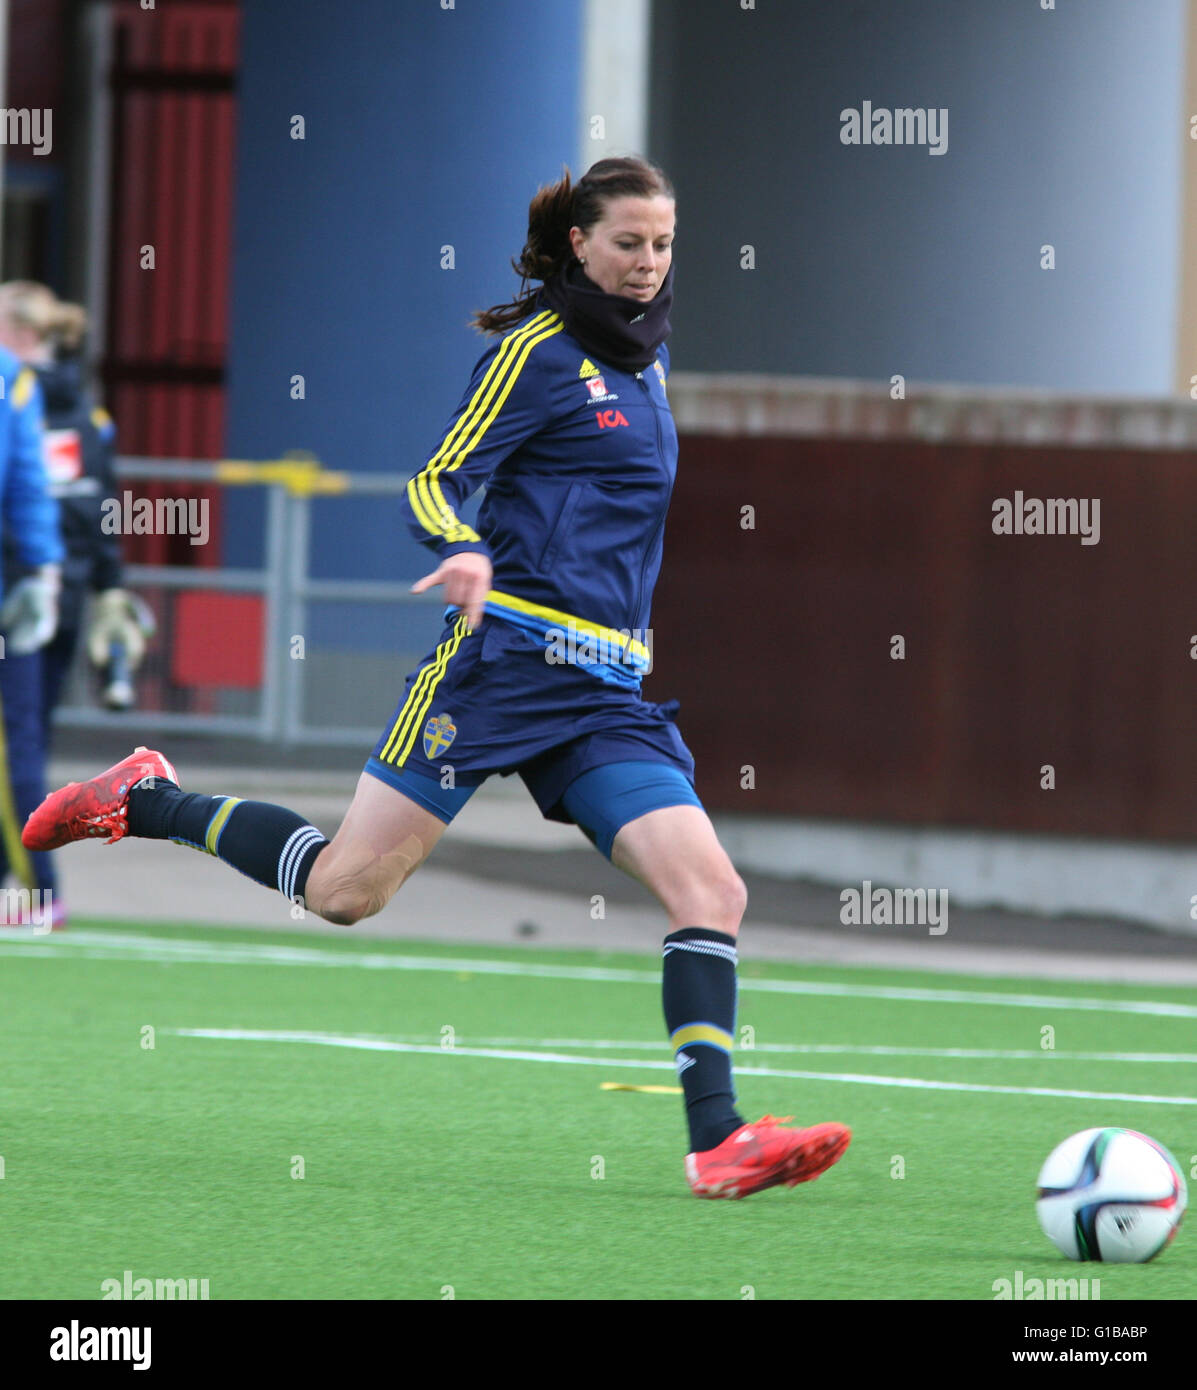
{"x":557,"y":208}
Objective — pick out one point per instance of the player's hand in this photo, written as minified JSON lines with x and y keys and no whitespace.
{"x":466,"y":577}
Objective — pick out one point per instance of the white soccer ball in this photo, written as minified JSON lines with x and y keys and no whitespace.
{"x":1111,"y":1194}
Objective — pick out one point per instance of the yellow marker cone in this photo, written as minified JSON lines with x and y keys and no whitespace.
{"x":651,"y":1090}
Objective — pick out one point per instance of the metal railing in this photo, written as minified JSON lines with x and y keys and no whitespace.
{"x":284,"y":583}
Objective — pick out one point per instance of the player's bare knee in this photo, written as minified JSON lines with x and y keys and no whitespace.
{"x":718,"y":902}
{"x":352,"y":880}
{"x":735,"y":895}
{"x":339,"y":915}
{"x":345,"y":899}
{"x":348,"y":906}
{"x":729,"y":898}
{"x":342,"y":908}
{"x":723,"y":898}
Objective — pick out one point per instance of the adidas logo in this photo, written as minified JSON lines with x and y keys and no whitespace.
{"x":684,"y":1060}
{"x":587,"y":369}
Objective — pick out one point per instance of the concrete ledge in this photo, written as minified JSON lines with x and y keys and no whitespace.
{"x":1042,"y":874}
{"x":1047,"y":876}
{"x":828,"y":408}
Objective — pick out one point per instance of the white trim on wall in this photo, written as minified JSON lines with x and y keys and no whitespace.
{"x":1186,"y":288}
{"x":93,"y":38}
{"x":4,"y":21}
{"x":614,"y":98}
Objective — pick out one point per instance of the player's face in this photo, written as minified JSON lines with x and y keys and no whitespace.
{"x":629,"y":250}
{"x":20,"y":339}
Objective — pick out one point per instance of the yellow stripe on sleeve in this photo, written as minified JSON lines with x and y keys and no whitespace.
{"x":508,"y":348}
{"x":449,"y":464}
{"x":428,"y":502}
{"x":422,"y":504}
{"x":22,"y":390}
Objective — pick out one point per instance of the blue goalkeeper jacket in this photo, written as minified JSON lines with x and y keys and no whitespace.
{"x":579,"y":461}
{"x":28,"y":512}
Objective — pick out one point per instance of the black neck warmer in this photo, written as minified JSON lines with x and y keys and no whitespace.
{"x":624,"y":332}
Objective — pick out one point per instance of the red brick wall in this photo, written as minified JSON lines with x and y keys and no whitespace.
{"x":37,"y":68}
{"x":1020,"y":650}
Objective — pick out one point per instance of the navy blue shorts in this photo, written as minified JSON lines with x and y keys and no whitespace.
{"x":488,"y":702}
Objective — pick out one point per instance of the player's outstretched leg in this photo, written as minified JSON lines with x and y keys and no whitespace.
{"x":383,"y":838}
{"x":677,"y":855}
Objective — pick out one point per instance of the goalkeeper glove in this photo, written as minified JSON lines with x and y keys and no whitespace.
{"x":29,"y":616}
{"x":116,"y":639}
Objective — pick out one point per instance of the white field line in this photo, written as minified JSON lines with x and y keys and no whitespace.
{"x":822,"y":1049}
{"x":88,"y":945}
{"x":565,"y":1059}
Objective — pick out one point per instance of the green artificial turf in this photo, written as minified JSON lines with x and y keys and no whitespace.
{"x":520,"y":1178}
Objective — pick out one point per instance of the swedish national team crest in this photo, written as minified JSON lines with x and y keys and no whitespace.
{"x":660,"y":372}
{"x":439,"y":733}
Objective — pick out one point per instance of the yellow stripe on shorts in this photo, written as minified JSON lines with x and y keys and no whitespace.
{"x":402,"y":735}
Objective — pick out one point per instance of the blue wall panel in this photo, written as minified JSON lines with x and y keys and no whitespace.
{"x":425,"y":127}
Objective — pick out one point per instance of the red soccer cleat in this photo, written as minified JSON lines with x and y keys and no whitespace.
{"x":81,"y":810}
{"x":763,"y":1155}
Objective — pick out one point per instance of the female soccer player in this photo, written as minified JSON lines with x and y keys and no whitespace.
{"x":538,"y":668}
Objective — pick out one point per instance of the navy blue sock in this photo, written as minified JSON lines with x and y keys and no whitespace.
{"x":699,"y":992}
{"x":269,"y":844}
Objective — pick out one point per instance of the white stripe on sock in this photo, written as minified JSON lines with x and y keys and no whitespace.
{"x":293,"y":851}
{"x":301,"y":851}
{"x":704,"y":948}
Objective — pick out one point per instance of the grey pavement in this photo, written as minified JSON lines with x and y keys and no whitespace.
{"x":503,"y":876}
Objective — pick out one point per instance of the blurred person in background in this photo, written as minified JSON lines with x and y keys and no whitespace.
{"x":33,"y":551}
{"x":45,"y":334}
